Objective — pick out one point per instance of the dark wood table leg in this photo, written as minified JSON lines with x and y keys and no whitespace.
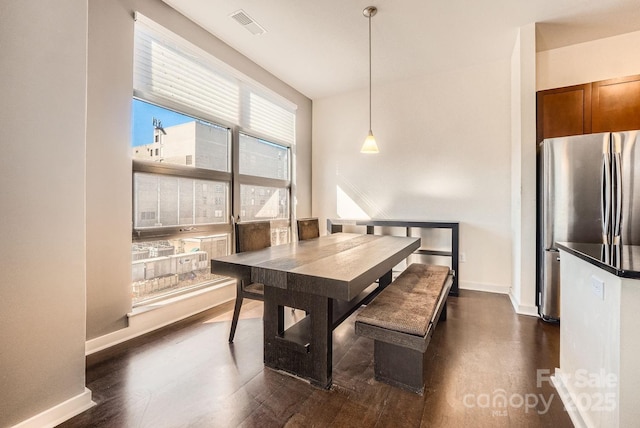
{"x":455,"y":259}
{"x":385,"y":279}
{"x":304,"y":349}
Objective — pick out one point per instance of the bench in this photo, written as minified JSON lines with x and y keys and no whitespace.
{"x":401,"y":321}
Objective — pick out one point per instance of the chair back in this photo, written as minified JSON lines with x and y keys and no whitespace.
{"x":308,"y":228}
{"x":252,"y":236}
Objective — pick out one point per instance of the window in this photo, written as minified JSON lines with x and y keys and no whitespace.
{"x":191,"y":114}
{"x":164,"y":200}
{"x":163,"y":267}
{"x":264,"y":184}
{"x":263,"y":159}
{"x":186,"y":204}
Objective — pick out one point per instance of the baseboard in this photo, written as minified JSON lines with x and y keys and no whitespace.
{"x":501,"y":289}
{"x":152,"y":317}
{"x":60,"y":413}
{"x":567,"y":401}
{"x":523,"y":309}
{"x":489,"y":288}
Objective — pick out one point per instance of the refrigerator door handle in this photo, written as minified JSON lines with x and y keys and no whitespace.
{"x":547,"y":209}
{"x":617,"y":188}
{"x":605,"y":203}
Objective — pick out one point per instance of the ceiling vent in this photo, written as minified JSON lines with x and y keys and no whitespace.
{"x":247,"y":22}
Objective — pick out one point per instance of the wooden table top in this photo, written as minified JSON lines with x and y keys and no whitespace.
{"x":338,"y":266}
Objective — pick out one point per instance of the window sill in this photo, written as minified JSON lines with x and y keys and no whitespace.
{"x":160,"y":302}
{"x":146,"y":318}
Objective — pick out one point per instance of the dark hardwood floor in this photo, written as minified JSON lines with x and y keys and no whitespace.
{"x":483,"y":364}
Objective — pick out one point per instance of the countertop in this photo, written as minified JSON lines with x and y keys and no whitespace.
{"x":620,"y":260}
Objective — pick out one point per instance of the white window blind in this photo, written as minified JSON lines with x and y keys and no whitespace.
{"x":265,"y":117}
{"x":169,"y":69}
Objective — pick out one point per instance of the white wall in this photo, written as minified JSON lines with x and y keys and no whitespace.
{"x":42,"y":192}
{"x":444,"y":155}
{"x":588,"y":62}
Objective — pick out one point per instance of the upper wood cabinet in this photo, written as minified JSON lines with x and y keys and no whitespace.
{"x":563,"y":111}
{"x":615,"y":104}
{"x":605,"y":106}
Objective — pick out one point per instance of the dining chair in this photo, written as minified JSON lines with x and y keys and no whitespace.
{"x":308,"y":228}
{"x":250,"y":236}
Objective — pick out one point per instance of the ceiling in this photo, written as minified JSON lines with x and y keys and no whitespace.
{"x":321,"y":48}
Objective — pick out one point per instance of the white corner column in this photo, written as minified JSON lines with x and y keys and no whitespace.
{"x":523,"y":172}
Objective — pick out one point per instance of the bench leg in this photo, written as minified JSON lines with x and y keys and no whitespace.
{"x":443,"y":314}
{"x":399,"y":366}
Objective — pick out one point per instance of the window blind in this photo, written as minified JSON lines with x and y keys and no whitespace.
{"x":265,"y":117}
{"x":169,"y":68}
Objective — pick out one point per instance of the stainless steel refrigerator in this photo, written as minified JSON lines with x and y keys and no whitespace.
{"x":588,"y":191}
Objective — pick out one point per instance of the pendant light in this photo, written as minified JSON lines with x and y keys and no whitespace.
{"x":369,"y":145}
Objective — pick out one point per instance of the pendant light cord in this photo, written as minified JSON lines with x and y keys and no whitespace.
{"x":370,"y":145}
{"x":369,"y":72}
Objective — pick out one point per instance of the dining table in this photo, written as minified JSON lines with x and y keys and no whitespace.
{"x":328,"y":278}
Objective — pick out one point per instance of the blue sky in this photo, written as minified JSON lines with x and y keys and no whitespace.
{"x":142,"y":123}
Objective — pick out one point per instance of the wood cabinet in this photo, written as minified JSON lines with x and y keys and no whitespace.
{"x":615,"y":104}
{"x":564,"y":111}
{"x":608,"y":105}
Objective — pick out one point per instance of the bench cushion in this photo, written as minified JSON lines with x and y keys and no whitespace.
{"x":409,"y":303}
